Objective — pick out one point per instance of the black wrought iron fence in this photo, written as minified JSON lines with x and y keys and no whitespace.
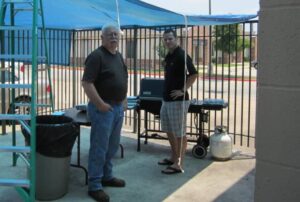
{"x":222,"y":55}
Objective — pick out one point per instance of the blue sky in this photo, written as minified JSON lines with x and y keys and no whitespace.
{"x":200,"y":7}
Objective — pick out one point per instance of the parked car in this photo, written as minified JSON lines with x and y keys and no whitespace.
{"x":22,"y":76}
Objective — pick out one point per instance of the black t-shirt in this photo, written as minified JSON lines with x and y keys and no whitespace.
{"x":108,"y":73}
{"x":175,"y":71}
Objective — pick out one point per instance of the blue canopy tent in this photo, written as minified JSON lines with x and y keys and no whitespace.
{"x":93,"y":14}
{"x":75,"y":15}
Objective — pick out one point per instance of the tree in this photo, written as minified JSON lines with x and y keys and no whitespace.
{"x":161,"y":51}
{"x":228,"y":39}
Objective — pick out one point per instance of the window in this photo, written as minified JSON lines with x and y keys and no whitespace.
{"x":199,"y":46}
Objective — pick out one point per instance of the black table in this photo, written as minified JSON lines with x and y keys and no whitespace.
{"x":81,"y":118}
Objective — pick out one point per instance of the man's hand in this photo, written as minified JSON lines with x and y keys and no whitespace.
{"x":92,"y":94}
{"x":176,"y":93}
{"x":104,"y":107}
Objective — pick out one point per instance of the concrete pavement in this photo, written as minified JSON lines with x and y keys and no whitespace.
{"x":204,"y":180}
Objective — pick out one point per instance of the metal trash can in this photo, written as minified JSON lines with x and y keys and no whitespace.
{"x":55,"y":137}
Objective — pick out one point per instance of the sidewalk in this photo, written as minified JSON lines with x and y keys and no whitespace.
{"x":204,"y":180}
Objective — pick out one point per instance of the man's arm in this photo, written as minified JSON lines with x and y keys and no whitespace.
{"x":190,"y":80}
{"x":94,"y":97}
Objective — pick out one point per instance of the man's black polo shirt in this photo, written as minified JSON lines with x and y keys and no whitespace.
{"x":175,"y":71}
{"x":109,"y":74}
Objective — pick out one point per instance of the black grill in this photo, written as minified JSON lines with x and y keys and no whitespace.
{"x":150,"y":100}
{"x":151,"y":95}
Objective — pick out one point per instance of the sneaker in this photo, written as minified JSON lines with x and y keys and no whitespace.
{"x":114,"y":182}
{"x":99,"y":196}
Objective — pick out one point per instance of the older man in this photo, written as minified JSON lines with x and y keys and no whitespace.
{"x":105,"y":83}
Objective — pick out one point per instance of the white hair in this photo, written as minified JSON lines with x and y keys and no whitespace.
{"x":105,"y":27}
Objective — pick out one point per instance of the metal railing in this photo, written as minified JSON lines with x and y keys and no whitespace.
{"x":222,"y":56}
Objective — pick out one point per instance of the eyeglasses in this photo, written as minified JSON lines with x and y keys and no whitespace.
{"x":112,"y":35}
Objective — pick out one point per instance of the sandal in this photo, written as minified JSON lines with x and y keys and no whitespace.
{"x":165,"y":162}
{"x":171,"y":170}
